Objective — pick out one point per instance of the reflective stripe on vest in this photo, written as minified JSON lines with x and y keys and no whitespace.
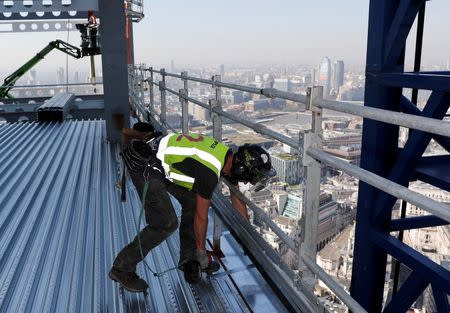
{"x":175,"y":148}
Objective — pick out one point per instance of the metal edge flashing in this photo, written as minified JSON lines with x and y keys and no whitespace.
{"x":280,"y":281}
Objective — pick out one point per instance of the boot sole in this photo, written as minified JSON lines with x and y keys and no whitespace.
{"x":114,"y":278}
{"x":210,"y":271}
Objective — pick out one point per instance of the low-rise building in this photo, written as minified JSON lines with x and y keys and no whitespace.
{"x":288,"y":166}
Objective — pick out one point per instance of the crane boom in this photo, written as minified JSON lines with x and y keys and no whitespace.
{"x":60,"y":45}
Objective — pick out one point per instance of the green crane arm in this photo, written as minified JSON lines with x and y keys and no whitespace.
{"x":14,"y":77}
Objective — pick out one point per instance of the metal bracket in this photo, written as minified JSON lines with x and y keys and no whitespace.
{"x":312,"y":95}
{"x":312,"y":140}
{"x":268,"y":92}
{"x":215,"y":79}
{"x":212,"y":103}
{"x":182,"y":95}
{"x":162,"y":86}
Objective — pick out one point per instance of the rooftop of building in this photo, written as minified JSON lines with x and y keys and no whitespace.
{"x":287,"y":156}
{"x":337,"y":247}
{"x":62,"y":222}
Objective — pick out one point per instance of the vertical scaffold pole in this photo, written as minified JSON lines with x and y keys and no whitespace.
{"x":216,"y":104}
{"x":151,"y":90}
{"x":142,"y":82}
{"x":311,"y":193}
{"x":162,"y":89}
{"x":184,"y":104}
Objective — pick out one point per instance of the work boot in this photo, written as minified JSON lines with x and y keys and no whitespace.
{"x":192,"y":271}
{"x":128,"y":280}
{"x":212,"y":267}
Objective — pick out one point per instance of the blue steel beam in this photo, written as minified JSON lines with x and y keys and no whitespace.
{"x":399,"y":29}
{"x":408,"y":293}
{"x":441,"y":300}
{"x":408,"y":107}
{"x":379,"y":149}
{"x":429,"y":270}
{"x":435,"y":170}
{"x":416,"y":222}
{"x":389,"y":24}
{"x":410,"y":155}
{"x":419,"y":80}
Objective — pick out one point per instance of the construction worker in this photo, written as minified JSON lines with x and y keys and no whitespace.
{"x":188,"y":166}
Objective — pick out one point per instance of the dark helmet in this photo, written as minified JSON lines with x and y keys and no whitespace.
{"x":251,"y":163}
{"x":144,"y":127}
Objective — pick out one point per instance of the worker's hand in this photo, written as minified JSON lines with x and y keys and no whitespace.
{"x":202,"y":258}
{"x":206,"y":262}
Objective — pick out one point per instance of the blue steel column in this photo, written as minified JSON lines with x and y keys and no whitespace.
{"x":379,"y":147}
{"x":389,"y":25}
{"x":114,"y":65}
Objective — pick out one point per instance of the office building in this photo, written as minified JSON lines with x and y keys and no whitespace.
{"x":288,"y":166}
{"x":325,"y":76}
{"x":282,"y":84}
{"x":238,"y":96}
{"x":60,"y":77}
{"x":32,"y":77}
{"x":338,"y":74}
{"x":76,"y":78}
{"x":222,"y":70}
{"x":292,"y":207}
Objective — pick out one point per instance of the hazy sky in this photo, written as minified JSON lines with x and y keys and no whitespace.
{"x":268,"y":31}
{"x":201,"y":32}
{"x":252,"y":31}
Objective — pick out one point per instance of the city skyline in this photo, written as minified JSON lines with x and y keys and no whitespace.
{"x":243,"y":34}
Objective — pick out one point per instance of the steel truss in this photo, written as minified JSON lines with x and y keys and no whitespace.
{"x":389,"y":25}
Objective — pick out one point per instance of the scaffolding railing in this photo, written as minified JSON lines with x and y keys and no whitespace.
{"x":309,"y":144}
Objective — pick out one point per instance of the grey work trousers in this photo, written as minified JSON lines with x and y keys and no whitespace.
{"x":161,"y":221}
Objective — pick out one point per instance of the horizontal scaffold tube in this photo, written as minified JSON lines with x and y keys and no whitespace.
{"x":426,"y":124}
{"x":268,"y":92}
{"x":259,"y":128}
{"x":439,"y":209}
{"x":333,"y":285}
{"x":264,"y":217}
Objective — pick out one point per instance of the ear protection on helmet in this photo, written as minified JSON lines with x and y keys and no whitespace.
{"x":252,"y":164}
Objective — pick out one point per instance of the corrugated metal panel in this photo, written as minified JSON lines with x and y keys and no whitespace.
{"x":62,"y":223}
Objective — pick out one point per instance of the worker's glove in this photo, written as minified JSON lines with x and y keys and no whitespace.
{"x":206,"y":262}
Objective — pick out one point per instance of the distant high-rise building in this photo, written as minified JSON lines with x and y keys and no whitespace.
{"x":306,"y":79}
{"x":238,"y":96}
{"x":313,"y":76}
{"x":172,"y":66}
{"x":282,"y":84}
{"x":32,"y":77}
{"x":76,"y":78}
{"x":222,"y":70}
{"x":60,"y":77}
{"x":448,"y":65}
{"x":325,"y":76}
{"x":338,"y":74}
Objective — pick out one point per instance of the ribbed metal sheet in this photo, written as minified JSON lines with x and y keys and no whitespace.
{"x":62,"y":223}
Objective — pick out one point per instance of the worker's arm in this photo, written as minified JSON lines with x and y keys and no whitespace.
{"x":201,"y":221}
{"x":239,"y":205}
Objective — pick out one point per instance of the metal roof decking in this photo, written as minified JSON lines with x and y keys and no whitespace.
{"x":62,"y":223}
